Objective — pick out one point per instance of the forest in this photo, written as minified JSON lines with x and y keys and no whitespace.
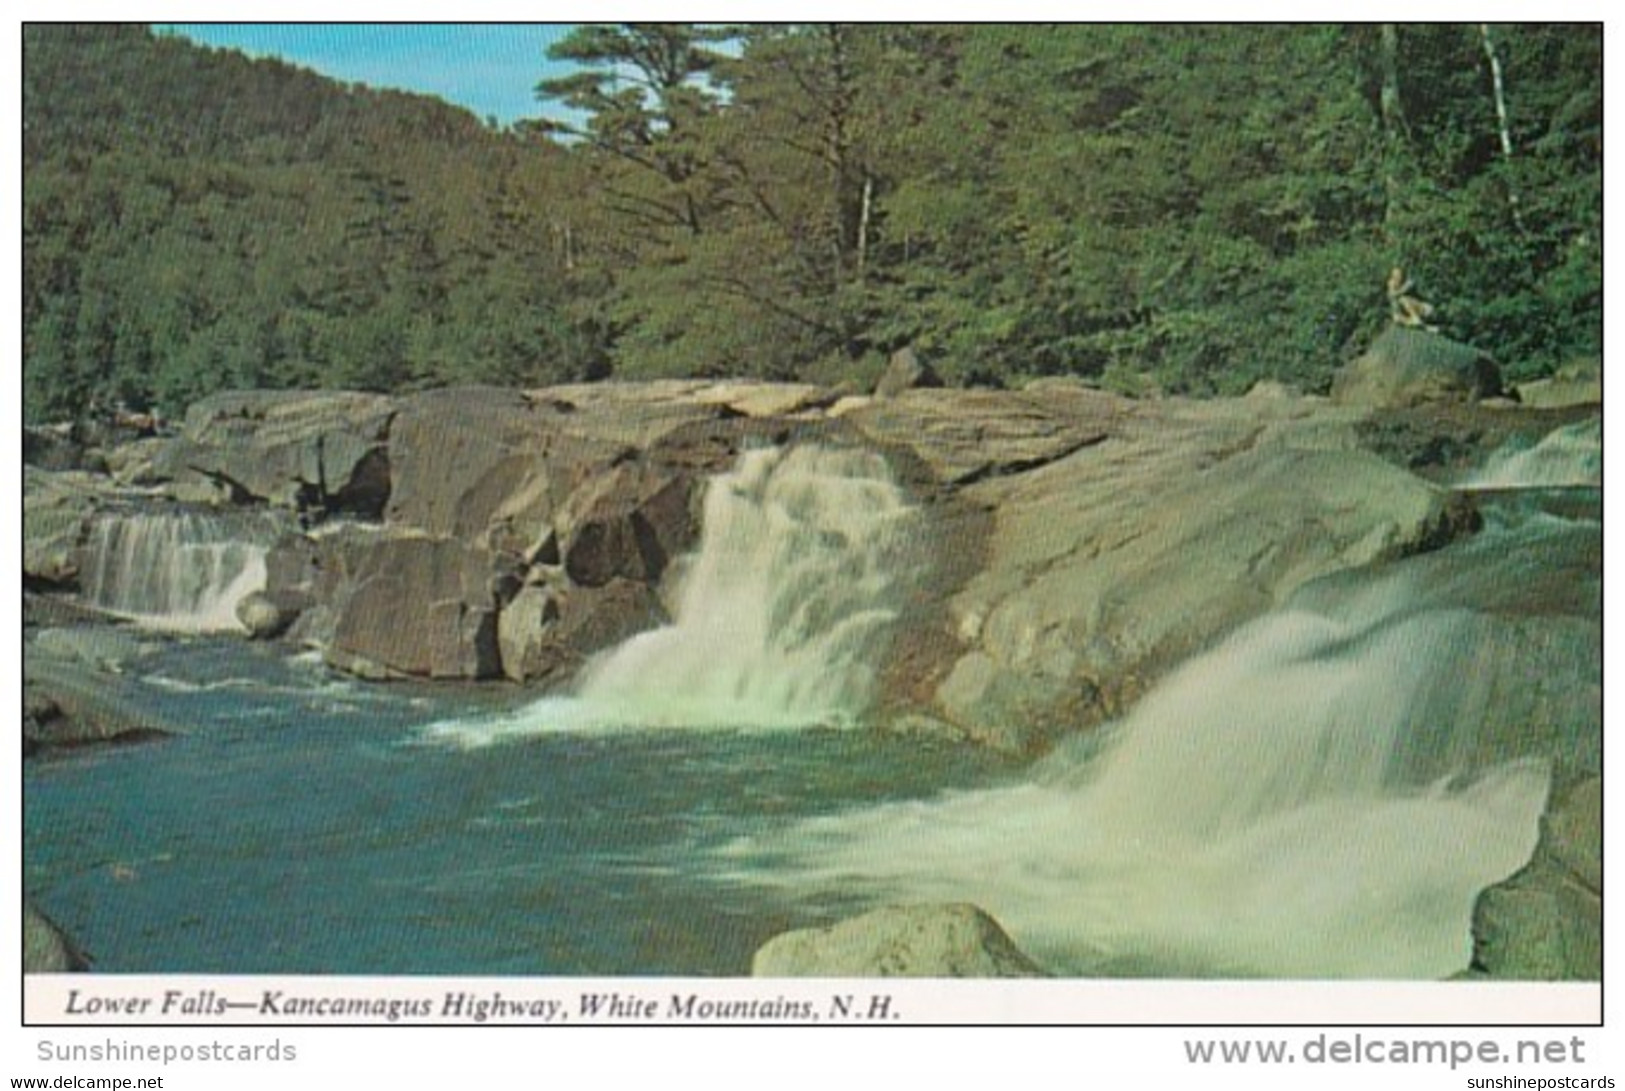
{"x":1159,"y":209}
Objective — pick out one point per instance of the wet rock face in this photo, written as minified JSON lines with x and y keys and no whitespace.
{"x":629,"y":524}
{"x":54,"y":448}
{"x":1578,"y":384}
{"x":1545,"y":922}
{"x":905,"y":371}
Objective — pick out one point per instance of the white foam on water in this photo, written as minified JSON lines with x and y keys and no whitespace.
{"x":174,"y":571}
{"x":1568,"y":457}
{"x":1250,"y":817}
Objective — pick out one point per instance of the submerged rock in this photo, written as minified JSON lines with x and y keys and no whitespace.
{"x":898,"y":941}
{"x":67,"y":705}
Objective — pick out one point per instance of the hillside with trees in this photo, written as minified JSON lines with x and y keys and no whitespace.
{"x":1173,"y":208}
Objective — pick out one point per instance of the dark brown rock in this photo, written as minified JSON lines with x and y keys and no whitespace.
{"x":628,"y":524}
{"x":420,"y":607}
{"x":527,"y":646}
{"x":57,"y":512}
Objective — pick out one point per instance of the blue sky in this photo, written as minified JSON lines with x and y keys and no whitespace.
{"x":490,"y":69}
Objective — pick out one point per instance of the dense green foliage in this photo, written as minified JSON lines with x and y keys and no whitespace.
{"x":196,"y":221}
{"x":1184,"y":208}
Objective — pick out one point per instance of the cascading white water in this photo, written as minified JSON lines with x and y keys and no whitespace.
{"x":781,"y":610}
{"x":781,"y":614}
{"x":1567,"y":457}
{"x":1310,"y":798}
{"x":177,"y":571}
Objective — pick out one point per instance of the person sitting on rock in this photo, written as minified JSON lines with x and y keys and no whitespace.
{"x":1404,"y":308}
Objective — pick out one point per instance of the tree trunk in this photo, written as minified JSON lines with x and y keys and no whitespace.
{"x":1498,"y":80}
{"x":1393,"y":126}
{"x":1393,"y":112}
{"x":866,"y":211}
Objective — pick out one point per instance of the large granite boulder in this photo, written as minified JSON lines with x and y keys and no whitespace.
{"x":526,"y":629}
{"x":1545,"y":922}
{"x":459,"y":455}
{"x":547,"y":633}
{"x":388,"y":604}
{"x":322,"y":452}
{"x":1105,"y":567}
{"x":1406,"y":367}
{"x":898,"y":941}
{"x":417,"y":607}
{"x":90,"y":647}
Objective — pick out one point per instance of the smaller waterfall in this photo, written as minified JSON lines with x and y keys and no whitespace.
{"x":782,"y":609}
{"x":781,"y":617}
{"x":176,"y":571}
{"x":1570,"y":457}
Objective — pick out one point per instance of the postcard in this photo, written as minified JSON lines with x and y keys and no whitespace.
{"x":828,"y":526}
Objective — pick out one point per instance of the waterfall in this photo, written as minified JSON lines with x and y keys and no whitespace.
{"x":781,"y":615}
{"x":1322,"y":794}
{"x":1570,"y":456}
{"x":177,"y":571}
